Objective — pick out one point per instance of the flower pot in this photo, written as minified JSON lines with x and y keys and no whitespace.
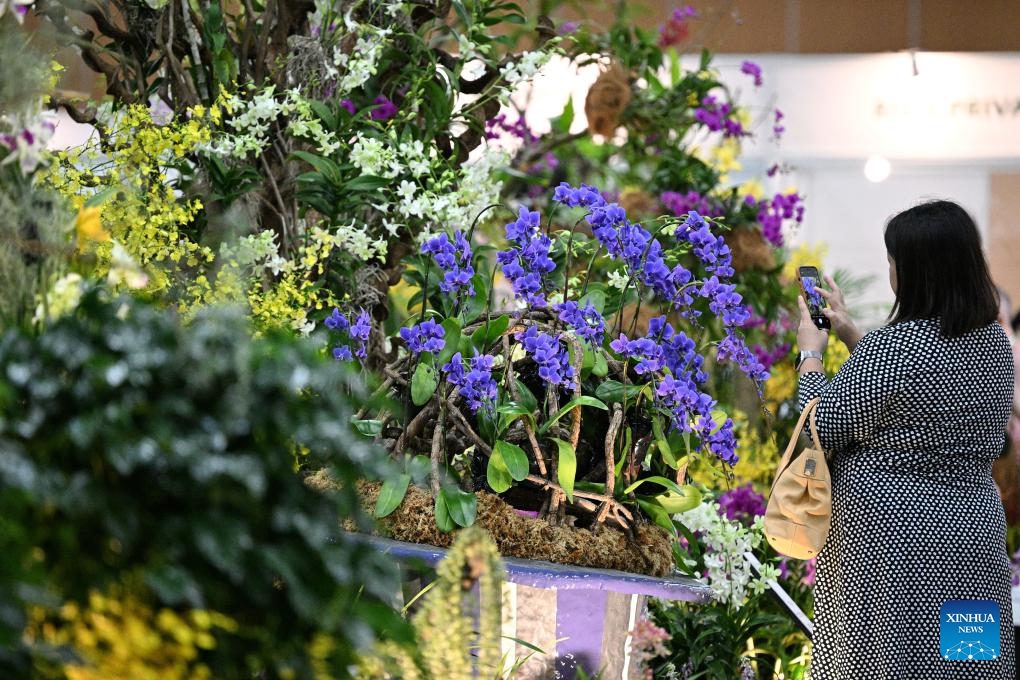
{"x":581,"y":618}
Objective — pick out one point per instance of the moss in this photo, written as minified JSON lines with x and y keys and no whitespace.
{"x":648,"y":551}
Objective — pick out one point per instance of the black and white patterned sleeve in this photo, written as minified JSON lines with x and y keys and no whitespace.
{"x":853,"y":402}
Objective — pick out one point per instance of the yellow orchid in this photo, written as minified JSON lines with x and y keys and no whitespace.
{"x":89,"y":227}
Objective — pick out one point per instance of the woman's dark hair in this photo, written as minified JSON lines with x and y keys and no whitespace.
{"x":940,"y":269}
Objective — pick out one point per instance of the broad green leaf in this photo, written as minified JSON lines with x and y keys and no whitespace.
{"x":596,"y":297}
{"x":497,"y":475}
{"x":583,"y":400}
{"x":443,"y":520}
{"x":369,"y":428}
{"x":329,"y":168}
{"x":461,"y":505}
{"x":510,"y":412}
{"x":484,"y":336}
{"x":451,"y":340}
{"x":420,"y":467}
{"x":611,"y":391}
{"x":566,"y":467}
{"x":475,"y":304}
{"x":424,"y":382}
{"x":515,"y":459}
{"x":391,"y":495}
{"x":601,"y":367}
{"x":486,"y":424}
{"x":667,"y":453}
{"x":528,"y":399}
{"x":719,"y":417}
{"x":674,"y":503}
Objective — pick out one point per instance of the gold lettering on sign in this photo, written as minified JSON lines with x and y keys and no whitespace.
{"x":970,"y":107}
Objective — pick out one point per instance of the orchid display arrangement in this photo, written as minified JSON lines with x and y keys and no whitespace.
{"x":315,"y":155}
{"x":558,"y":393}
{"x":283,"y":154}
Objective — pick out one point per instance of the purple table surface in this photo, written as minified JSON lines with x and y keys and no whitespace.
{"x":539,"y":574}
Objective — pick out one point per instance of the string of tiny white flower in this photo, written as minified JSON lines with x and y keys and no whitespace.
{"x":727,"y":572}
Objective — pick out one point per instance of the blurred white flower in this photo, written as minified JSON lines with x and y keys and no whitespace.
{"x":18,"y":8}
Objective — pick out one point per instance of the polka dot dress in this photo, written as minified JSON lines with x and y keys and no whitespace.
{"x":913,"y":421}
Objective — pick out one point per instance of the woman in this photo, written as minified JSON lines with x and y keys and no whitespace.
{"x":913,"y":420}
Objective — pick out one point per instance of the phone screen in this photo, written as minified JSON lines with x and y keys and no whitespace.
{"x":809,"y":280}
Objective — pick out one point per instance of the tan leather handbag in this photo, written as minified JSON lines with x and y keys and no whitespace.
{"x":800,"y":504}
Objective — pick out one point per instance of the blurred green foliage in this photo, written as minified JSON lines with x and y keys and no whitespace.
{"x":157,"y":461}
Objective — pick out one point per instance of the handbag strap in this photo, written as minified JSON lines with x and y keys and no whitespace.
{"x":808,"y":412}
{"x":813,"y":426}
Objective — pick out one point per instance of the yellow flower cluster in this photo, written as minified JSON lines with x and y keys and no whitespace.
{"x":285,"y":303}
{"x":132,"y":163}
{"x":132,"y":171}
{"x":118,"y":636}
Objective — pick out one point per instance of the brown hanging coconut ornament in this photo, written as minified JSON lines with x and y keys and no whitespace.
{"x":606,"y":100}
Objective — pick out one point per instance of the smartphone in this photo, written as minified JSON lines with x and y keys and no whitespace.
{"x":809,"y":280}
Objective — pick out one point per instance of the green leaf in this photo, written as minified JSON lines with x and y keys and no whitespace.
{"x":475,"y":304}
{"x":583,"y":400}
{"x":365,"y":183}
{"x":462,"y":13}
{"x":369,"y":428}
{"x":391,"y":495}
{"x":451,"y":339}
{"x":667,"y":453}
{"x":662,"y":443}
{"x":658,"y":514}
{"x":719,"y":417}
{"x":496,"y":473}
{"x":420,"y":467}
{"x":566,"y":467}
{"x":424,"y":382}
{"x":588,"y":362}
{"x":514,"y":457}
{"x":323,"y":113}
{"x":523,"y":643}
{"x":674,"y":503}
{"x":486,"y":334}
{"x":528,"y":399}
{"x":612,"y":391}
{"x":461,"y":505}
{"x":596,"y":297}
{"x":601,"y":366}
{"x":443,"y":520}
{"x":656,"y":479}
{"x":329,"y":168}
{"x":510,"y":412}
{"x":486,"y":424}
{"x":99,"y":197}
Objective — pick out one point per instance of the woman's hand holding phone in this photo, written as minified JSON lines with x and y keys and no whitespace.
{"x":838,"y":314}
{"x":810,"y":338}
